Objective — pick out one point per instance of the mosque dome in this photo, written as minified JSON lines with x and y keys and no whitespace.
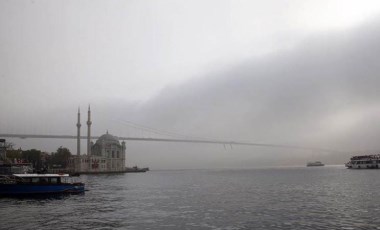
{"x":106,"y":146}
{"x":108,"y":139}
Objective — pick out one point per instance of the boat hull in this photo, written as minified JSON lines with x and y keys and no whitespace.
{"x":362,"y":166}
{"x":29,"y":189}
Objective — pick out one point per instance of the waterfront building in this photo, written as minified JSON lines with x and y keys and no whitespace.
{"x":106,"y":155}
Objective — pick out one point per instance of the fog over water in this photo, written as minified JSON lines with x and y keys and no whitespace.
{"x":216,"y":70}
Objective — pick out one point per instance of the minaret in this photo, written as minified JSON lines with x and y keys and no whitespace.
{"x":89,"y":132}
{"x":123,"y":154}
{"x":78,"y":133}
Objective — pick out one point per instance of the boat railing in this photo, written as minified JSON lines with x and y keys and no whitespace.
{"x":375,"y":156}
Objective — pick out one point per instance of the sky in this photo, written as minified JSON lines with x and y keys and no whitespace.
{"x":294,"y":72}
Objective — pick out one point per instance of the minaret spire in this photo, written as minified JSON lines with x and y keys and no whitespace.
{"x":89,"y":131}
{"x":78,"y":133}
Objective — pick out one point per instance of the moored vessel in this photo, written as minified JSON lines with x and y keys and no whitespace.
{"x":7,"y":167}
{"x":39,"y":184}
{"x":364,"y":162}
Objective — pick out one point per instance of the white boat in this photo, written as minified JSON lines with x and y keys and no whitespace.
{"x":314,"y":163}
{"x":364,"y":162}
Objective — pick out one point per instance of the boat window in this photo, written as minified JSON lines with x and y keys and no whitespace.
{"x":27,"y":180}
{"x":35,"y":180}
{"x":54,"y":180}
{"x":43,"y":180}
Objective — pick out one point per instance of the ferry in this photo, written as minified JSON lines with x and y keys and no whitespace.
{"x":364,"y":162}
{"x":135,"y":169}
{"x":315,"y":163}
{"x":39,"y":184}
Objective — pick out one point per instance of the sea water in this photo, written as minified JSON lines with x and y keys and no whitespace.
{"x":329,"y":197}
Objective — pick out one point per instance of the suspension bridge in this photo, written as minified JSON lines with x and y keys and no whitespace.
{"x":202,"y":141}
{"x":171,"y":137}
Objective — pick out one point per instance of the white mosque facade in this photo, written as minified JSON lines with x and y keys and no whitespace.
{"x":106,"y":155}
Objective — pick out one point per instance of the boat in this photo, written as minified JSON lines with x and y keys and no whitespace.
{"x":364,"y":162}
{"x":314,"y":163}
{"x":135,"y":169}
{"x":39,"y":184}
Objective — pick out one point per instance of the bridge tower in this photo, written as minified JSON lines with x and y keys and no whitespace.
{"x":89,"y":132}
{"x":78,"y":133}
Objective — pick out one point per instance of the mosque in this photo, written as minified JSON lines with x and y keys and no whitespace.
{"x":106,"y":155}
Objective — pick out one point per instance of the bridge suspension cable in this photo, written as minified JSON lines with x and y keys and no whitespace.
{"x":162,"y":132}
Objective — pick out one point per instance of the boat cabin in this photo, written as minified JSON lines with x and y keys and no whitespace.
{"x":42,"y":178}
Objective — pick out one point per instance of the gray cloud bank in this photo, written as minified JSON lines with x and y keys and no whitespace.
{"x":323,"y":93}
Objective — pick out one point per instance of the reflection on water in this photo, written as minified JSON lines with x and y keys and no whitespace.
{"x":276,"y":198}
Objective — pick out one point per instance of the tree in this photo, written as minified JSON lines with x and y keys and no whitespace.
{"x":60,"y":158}
{"x":33,"y":156}
{"x":14,"y":154}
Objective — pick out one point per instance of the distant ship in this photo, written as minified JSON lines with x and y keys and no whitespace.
{"x":364,"y":162}
{"x":135,"y":169}
{"x":315,"y":163}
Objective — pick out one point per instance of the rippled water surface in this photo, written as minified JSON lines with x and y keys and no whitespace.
{"x":276,"y":198}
